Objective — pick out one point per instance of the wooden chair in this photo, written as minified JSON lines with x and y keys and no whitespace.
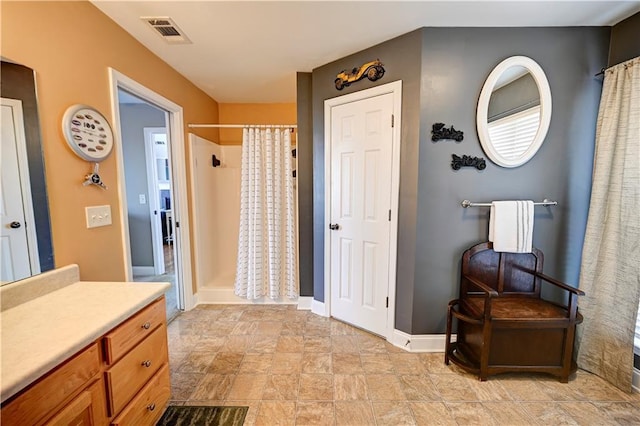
{"x":503,"y":323}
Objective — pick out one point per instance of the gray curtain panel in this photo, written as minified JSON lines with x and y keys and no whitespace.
{"x":610,"y":271}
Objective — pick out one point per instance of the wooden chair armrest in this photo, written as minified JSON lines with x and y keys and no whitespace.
{"x":559,"y":284}
{"x":456,"y":313}
{"x":482,"y":286}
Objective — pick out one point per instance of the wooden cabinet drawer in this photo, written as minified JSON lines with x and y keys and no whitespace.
{"x":119,"y":341}
{"x":86,"y":409}
{"x":147,"y":406}
{"x":45,"y":396}
{"x":127,"y":376}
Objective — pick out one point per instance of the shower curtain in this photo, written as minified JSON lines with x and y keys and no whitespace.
{"x":267,"y":258}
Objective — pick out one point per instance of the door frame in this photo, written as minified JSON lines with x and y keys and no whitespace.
{"x":25,"y":183}
{"x":154,"y":202}
{"x":394,"y":88}
{"x":180,"y":205}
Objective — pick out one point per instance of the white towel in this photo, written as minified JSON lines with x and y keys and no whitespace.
{"x":511,"y":226}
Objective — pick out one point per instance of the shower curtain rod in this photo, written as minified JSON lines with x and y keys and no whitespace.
{"x":241,"y":126}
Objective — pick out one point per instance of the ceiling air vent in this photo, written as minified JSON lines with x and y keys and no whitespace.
{"x":167,"y":29}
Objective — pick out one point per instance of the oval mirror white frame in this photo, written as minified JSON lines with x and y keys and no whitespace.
{"x":483,"y":107}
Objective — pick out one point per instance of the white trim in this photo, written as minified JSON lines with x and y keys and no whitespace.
{"x":196,"y":235}
{"x":304,"y":303}
{"x":140,"y":271}
{"x":636,"y":380}
{"x":153,"y":201}
{"x":395,"y":88}
{"x":320,"y":308}
{"x":227,"y":296}
{"x":178,"y":165}
{"x":420,"y":342}
{"x":25,"y":183}
{"x":483,"y":109}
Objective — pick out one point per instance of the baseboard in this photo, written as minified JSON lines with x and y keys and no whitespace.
{"x":194,"y":301}
{"x":636,"y":380}
{"x":419,"y":342}
{"x":319,"y":308}
{"x":304,"y":303}
{"x":139,"y":271}
{"x":212,"y":296}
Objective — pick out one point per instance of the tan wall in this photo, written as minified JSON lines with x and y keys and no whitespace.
{"x":252,"y":114}
{"x":70,"y":45}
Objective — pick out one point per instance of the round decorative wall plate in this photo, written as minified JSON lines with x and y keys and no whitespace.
{"x":87,"y":132}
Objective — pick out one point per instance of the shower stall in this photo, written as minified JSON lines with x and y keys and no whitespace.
{"x":216,"y":186}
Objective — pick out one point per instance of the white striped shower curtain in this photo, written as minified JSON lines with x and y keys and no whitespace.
{"x":267,"y":256}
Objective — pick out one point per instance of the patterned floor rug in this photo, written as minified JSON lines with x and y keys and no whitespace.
{"x":203,"y":416}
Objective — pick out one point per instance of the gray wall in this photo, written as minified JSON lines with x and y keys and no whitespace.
{"x":625,"y":40}
{"x":304,"y":179}
{"x":517,"y":96}
{"x":401,"y":59}
{"x":134,"y":118}
{"x":443,"y":70}
{"x":456,"y":63}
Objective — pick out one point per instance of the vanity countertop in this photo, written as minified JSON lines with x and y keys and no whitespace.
{"x":40,"y":333}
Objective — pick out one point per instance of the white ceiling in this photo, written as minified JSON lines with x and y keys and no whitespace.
{"x":250,"y":51}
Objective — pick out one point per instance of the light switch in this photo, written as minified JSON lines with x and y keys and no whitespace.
{"x":98,"y":216}
{"x":142,"y":198}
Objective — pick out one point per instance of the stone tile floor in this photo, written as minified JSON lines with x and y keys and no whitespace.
{"x":169,"y":276}
{"x":292,"y":367}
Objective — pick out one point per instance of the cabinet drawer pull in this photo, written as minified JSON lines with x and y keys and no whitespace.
{"x":146,"y":325}
{"x":146,"y":363}
{"x":151,"y":406}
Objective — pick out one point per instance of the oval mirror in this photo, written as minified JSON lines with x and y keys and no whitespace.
{"x":514,"y":111}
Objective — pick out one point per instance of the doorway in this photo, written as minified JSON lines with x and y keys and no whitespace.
{"x":148,"y":186}
{"x":362,"y":181}
{"x":156,"y":144}
{"x":135,"y":194}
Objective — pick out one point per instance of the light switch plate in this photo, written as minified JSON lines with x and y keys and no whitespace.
{"x":98,"y":216}
{"x":142,"y":198}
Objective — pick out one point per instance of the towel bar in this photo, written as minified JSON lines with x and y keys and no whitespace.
{"x":467,"y":203}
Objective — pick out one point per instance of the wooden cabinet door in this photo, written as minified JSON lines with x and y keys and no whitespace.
{"x":38,"y":402}
{"x":87,"y":409}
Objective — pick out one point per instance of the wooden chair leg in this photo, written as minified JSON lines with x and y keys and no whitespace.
{"x":447,"y":345}
{"x":485,"y":351}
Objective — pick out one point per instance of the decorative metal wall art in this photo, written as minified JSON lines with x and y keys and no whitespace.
{"x":439,"y":132}
{"x":467,"y":161}
{"x":373,"y":70}
{"x":93,"y":178}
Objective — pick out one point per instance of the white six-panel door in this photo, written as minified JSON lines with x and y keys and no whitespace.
{"x":360,"y":211}
{"x":18,"y":247}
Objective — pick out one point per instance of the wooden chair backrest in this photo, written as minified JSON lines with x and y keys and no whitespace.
{"x":506,"y":273}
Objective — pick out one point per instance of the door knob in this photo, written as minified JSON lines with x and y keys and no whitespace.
{"x":15,"y":225}
{"x":334,"y":226}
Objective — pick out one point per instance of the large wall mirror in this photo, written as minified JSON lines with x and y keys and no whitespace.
{"x":514,"y":111}
{"x":25,"y":232}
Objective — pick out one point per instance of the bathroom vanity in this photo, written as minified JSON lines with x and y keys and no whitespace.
{"x":83,"y":353}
